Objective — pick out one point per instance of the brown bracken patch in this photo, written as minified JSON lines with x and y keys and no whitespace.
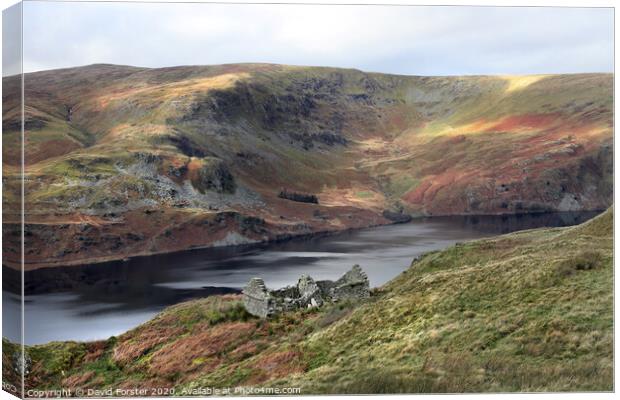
{"x":94,"y":351}
{"x":145,"y":340}
{"x":78,"y":380}
{"x":276,"y":365}
{"x":201,"y":351}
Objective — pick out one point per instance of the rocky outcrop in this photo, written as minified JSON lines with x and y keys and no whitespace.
{"x":396,"y":217}
{"x":21,"y":363}
{"x":308,"y":293}
{"x":214,"y":175}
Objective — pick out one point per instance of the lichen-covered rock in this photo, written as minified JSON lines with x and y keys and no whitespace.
{"x":326,"y":287}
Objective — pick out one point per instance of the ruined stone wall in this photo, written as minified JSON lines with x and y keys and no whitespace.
{"x":263,"y":303}
{"x":351,"y":286}
{"x":257,"y":299}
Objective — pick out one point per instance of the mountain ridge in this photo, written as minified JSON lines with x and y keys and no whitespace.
{"x":499,"y":75}
{"x":137,"y":160}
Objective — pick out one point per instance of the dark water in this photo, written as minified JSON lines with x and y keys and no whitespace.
{"x":100,"y":300}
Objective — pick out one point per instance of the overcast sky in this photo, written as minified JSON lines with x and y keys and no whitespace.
{"x":403,"y":40}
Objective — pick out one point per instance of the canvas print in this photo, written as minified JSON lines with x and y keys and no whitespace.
{"x":295,"y":199}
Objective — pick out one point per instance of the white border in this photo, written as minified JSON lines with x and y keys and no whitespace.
{"x":540,"y":3}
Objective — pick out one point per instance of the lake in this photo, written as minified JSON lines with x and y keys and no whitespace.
{"x":101,"y":300}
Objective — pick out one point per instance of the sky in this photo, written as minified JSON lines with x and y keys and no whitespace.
{"x":411,"y":40}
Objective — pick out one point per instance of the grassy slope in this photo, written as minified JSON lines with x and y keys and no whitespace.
{"x":528,"y":311}
{"x":521,"y":312}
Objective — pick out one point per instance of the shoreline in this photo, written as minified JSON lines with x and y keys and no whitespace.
{"x":388,"y":284}
{"x":62,"y":278}
{"x":281,"y":238}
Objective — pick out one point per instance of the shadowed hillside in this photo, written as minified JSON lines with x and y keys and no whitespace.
{"x":123,"y":161}
{"x":529,"y":311}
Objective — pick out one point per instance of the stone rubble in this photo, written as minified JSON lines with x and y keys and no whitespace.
{"x":308,"y":293}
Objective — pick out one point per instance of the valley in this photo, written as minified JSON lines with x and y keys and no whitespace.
{"x":123,"y":161}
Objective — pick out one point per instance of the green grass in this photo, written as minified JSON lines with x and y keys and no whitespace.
{"x":364,"y":194}
{"x":80,"y":166}
{"x":490,"y":315}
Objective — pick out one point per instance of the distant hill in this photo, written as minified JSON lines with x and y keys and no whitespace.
{"x":530,"y":311}
{"x":123,"y":161}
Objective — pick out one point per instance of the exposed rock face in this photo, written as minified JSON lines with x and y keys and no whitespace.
{"x":215,"y":176}
{"x":396,"y":217}
{"x":308,"y":293}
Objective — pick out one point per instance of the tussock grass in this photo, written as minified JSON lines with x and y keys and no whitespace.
{"x":498,"y":314}
{"x":583,"y":261}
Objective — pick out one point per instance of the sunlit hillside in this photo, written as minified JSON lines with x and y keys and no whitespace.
{"x":123,"y":161}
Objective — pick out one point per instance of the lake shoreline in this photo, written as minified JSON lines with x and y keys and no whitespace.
{"x":76,"y":303}
{"x":41,"y":280}
{"x":280,"y":238}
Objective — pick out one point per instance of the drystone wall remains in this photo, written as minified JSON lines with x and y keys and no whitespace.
{"x":264,"y":303}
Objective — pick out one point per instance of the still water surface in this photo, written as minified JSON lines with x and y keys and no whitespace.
{"x":100,"y":300}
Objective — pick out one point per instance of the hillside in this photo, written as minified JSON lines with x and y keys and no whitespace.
{"x":122,"y":161}
{"x":528,"y":311}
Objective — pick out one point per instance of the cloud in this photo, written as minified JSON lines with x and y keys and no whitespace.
{"x":405,"y":40}
{"x":11,"y":44}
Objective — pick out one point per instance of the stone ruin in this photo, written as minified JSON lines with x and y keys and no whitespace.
{"x":308,"y":293}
